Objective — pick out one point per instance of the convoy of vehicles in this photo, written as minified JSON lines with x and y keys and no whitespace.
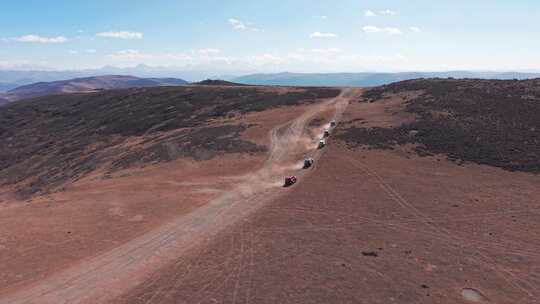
{"x":308,"y":162}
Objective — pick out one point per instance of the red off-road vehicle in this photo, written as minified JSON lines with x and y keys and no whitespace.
{"x":289,"y":181}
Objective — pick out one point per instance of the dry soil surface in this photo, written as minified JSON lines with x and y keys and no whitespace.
{"x":372,"y":226}
{"x":118,"y":268}
{"x":364,"y":225}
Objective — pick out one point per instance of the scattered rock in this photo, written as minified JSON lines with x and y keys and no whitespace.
{"x":136,"y":218}
{"x":370,"y":253}
{"x":413,"y":133}
{"x":473,"y":295}
{"x":116,"y":211}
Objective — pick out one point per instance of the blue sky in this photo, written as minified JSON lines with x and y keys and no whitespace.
{"x":270,"y":36}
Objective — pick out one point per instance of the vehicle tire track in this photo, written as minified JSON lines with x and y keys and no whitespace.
{"x":112,"y":273}
{"x":510,"y":278}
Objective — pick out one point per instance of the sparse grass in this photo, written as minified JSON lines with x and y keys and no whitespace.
{"x":51,"y":140}
{"x":491,"y":122}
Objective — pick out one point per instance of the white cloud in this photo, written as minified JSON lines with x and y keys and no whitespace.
{"x":5,"y":64}
{"x":39,"y":39}
{"x":136,"y":55}
{"x":388,"y":12}
{"x":326,"y":51}
{"x":131,"y":56}
{"x":121,"y":35}
{"x":213,"y":60}
{"x":415,"y":29}
{"x":88,"y":51}
{"x":127,"y":55}
{"x":296,"y":56}
{"x":322,"y":35}
{"x":369,"y":13}
{"x":208,"y":51}
{"x":385,"y":30}
{"x":239,"y":25}
{"x":264,"y":59}
{"x":320,"y":17}
{"x":331,"y":59}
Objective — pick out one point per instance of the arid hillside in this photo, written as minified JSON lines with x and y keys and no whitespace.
{"x":487,"y":122}
{"x":113,"y":174}
{"x":217,"y":82}
{"x":58,"y":139}
{"x":85,"y":85}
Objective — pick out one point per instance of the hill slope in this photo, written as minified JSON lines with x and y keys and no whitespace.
{"x":491,"y":122}
{"x":217,"y":82}
{"x":54,"y":139}
{"x":87,"y":84}
{"x":99,"y":170}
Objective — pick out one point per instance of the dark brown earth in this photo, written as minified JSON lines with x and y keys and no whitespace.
{"x":218,"y":82}
{"x":54,"y":140}
{"x":483,"y":121}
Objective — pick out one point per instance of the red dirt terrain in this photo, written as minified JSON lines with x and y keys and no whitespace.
{"x":374,"y":222}
{"x":415,"y":199}
{"x":106,"y":218}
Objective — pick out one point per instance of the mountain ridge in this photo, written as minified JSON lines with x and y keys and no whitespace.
{"x":85,"y":85}
{"x":15,"y":77}
{"x":367,"y":79}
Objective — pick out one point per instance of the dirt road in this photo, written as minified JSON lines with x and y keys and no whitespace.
{"x":109,"y":275}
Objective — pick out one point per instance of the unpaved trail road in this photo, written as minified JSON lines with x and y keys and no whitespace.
{"x":111,"y":274}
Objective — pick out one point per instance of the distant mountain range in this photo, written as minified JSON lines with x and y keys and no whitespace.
{"x":86,"y":84}
{"x":10,"y":79}
{"x":367,"y":79}
{"x":27,"y":83}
